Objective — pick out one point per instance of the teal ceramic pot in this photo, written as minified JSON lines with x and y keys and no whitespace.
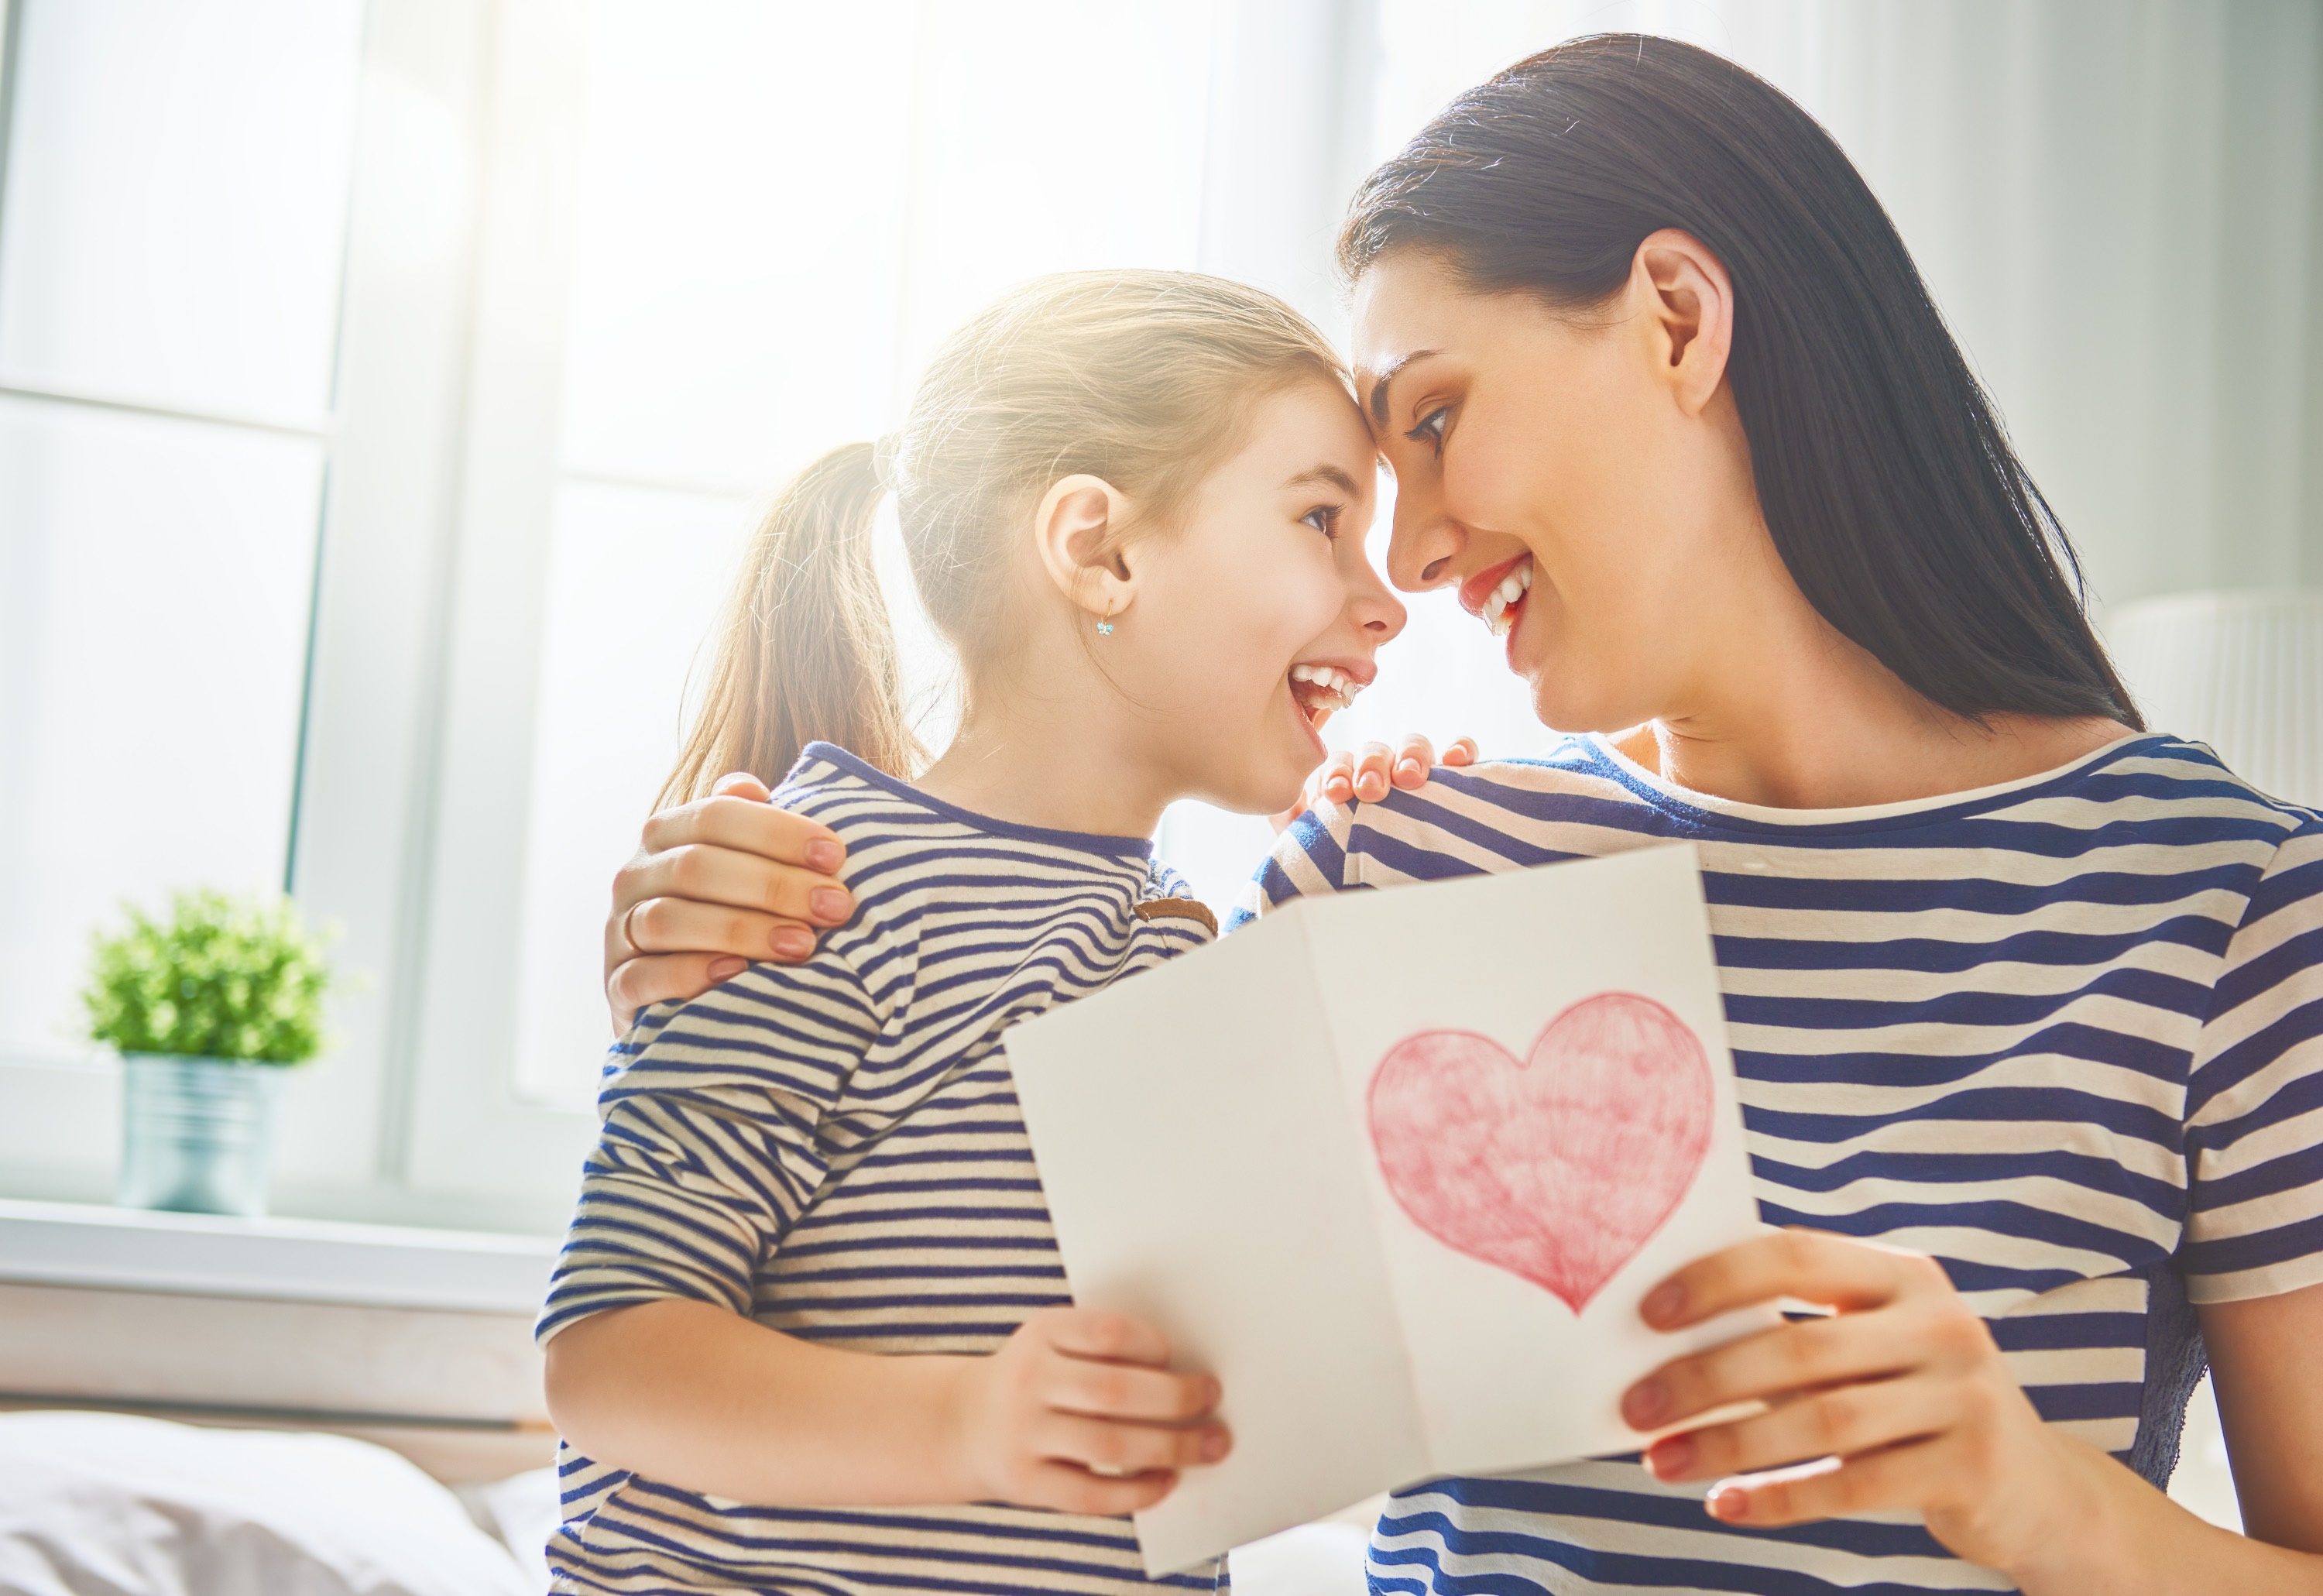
{"x":196,"y":1135}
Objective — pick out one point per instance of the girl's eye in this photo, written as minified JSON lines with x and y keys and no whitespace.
{"x":1324,"y":518}
{"x":1430,"y":430}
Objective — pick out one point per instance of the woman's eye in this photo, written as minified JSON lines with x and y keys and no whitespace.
{"x":1430,"y":430}
{"x":1324,"y":518}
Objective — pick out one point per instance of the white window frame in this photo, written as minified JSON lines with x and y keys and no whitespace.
{"x":442,"y":467}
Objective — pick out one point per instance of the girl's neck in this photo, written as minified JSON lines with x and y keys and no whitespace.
{"x":1053,"y":765}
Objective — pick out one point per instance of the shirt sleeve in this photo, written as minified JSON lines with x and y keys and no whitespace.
{"x":2254,"y":1101}
{"x":1309,"y":858}
{"x":708,"y":1149}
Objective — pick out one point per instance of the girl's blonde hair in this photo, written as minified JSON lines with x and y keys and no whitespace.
{"x":1144,"y":379}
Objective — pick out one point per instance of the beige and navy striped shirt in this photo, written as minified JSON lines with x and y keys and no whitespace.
{"x":835,"y":1150}
{"x":2065,"y":1035}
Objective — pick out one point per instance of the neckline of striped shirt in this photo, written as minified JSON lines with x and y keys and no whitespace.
{"x":1098,"y":842}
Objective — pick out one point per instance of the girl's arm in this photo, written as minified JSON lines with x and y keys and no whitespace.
{"x":1078,"y":1411}
{"x":1905,"y":1394}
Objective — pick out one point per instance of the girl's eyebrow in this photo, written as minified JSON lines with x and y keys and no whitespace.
{"x":1324,"y":475}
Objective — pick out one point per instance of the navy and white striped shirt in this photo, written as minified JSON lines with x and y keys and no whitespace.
{"x":835,"y":1148}
{"x":2065,"y":1034}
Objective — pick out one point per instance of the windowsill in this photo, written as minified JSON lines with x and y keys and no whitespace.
{"x":285,"y":1260}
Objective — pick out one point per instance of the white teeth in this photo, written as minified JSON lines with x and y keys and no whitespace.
{"x":1512,"y":587}
{"x":1333,"y":688}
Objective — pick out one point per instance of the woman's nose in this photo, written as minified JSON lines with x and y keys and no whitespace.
{"x":1422,"y":543}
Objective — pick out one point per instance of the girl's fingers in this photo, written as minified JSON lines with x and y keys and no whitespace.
{"x":1373,"y":762}
{"x":1069,"y":1488}
{"x":1808,"y":1265}
{"x":1774,"y":1363}
{"x":1463,"y":751}
{"x":1123,"y":1390}
{"x":1107,"y":1337}
{"x":1413,"y":757}
{"x":1850,"y":1419}
{"x":1891,"y":1477}
{"x":1334,"y":781}
{"x":1117,"y":1450}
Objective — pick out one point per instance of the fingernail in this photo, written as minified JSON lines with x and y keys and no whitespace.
{"x":1213,"y":1446}
{"x":1647,"y":1401}
{"x":728,"y":968}
{"x":1336,"y":788}
{"x":1729,"y":1504}
{"x":1670,"y":1458}
{"x":825,"y":855}
{"x":792,"y":942}
{"x":1370,"y":786}
{"x":1664,"y":1303}
{"x":1407,"y":767}
{"x":830,"y":904}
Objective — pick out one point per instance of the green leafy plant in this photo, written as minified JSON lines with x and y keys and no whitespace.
{"x":222,"y":978}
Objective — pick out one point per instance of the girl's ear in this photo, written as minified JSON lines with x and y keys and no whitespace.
{"x":1078,"y":529}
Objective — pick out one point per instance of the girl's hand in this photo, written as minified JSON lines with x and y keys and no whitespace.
{"x":1369,"y":771}
{"x":1080,"y":1412}
{"x":716,"y":885}
{"x":1901,"y":1394}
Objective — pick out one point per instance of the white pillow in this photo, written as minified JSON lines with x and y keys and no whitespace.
{"x":104,"y":1504}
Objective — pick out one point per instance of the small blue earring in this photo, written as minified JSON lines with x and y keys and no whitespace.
{"x":1105,"y":628}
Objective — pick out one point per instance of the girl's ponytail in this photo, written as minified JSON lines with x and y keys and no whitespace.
{"x":807,"y":650}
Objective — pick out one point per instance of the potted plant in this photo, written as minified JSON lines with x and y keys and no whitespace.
{"x":207,"y":1007}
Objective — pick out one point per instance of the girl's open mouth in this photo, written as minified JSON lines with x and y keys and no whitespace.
{"x":1321,"y":691}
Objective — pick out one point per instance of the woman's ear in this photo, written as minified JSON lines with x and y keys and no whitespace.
{"x":1689,"y":321}
{"x":1077,"y":529}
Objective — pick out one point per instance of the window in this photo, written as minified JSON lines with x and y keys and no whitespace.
{"x":386,"y":388}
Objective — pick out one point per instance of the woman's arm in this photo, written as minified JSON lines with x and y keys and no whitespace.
{"x":729,"y":880}
{"x":1908,"y":1403}
{"x":716,"y":885}
{"x":1078,"y":1411}
{"x":2267,"y":1365}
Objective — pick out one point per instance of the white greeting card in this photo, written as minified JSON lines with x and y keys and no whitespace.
{"x":1398,"y":1167}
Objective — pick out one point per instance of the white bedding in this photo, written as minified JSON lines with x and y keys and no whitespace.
{"x":104,"y":1504}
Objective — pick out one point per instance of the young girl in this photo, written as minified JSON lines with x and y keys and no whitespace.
{"x":809,"y":1331}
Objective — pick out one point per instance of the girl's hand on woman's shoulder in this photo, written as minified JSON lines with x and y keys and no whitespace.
{"x":1368,"y":772}
{"x":1900,"y":1399}
{"x":715,"y":886}
{"x":1079,"y":1411}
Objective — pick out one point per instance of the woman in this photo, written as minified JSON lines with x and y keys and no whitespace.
{"x":2027,"y":1005}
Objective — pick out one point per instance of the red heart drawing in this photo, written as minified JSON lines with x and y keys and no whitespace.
{"x":1557,"y":1168}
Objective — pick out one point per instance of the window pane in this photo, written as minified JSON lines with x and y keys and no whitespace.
{"x":153,"y":597}
{"x":177,"y":200}
{"x":736,"y":237}
{"x":635,"y":578}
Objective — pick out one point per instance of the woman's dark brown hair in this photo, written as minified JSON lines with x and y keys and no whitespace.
{"x":1883,"y":471}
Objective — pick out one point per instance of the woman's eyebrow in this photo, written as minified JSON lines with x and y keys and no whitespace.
{"x":1379,"y":384}
{"x":1326,"y":476}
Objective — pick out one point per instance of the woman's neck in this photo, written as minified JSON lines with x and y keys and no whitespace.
{"x":1799,"y":717}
